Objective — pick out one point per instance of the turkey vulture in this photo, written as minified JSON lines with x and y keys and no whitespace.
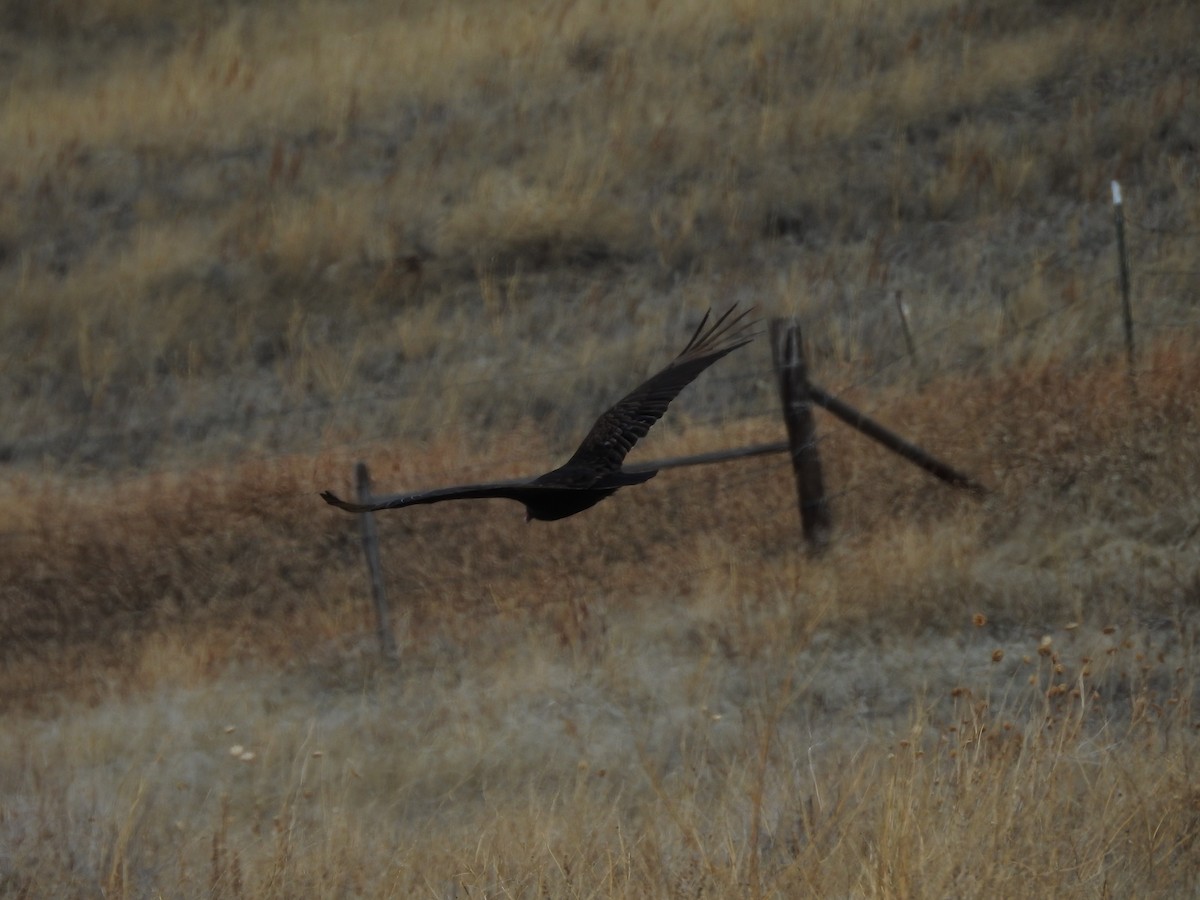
{"x":595,"y":472}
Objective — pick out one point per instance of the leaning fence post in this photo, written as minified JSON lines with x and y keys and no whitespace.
{"x":792,"y":372}
{"x":893,"y":442}
{"x":370,"y":542}
{"x":1123,"y":262}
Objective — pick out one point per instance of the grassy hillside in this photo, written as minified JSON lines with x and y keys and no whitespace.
{"x":251,"y":225}
{"x":244,"y":245}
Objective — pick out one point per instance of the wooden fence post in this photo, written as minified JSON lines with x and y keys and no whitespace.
{"x":792,"y":372}
{"x":370,"y":542}
{"x":1123,"y":263}
{"x":902,"y":311}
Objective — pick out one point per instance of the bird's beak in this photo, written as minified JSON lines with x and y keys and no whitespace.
{"x":528,"y":517}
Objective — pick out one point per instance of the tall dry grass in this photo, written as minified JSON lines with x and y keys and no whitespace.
{"x":648,"y":758}
{"x":276,"y":207}
{"x":243,"y":246}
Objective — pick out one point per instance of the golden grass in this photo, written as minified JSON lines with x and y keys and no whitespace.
{"x":653,"y":764}
{"x":241,"y":546}
{"x":242,"y":247}
{"x":660,"y":697}
{"x":175,"y":208}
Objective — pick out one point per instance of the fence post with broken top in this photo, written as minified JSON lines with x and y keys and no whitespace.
{"x":792,"y":372}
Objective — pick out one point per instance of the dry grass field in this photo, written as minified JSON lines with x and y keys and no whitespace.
{"x":243,"y":245}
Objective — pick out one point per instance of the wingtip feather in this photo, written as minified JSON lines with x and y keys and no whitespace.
{"x":334,"y":500}
{"x":725,"y":333}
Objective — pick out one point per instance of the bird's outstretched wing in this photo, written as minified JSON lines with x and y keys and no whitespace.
{"x":594,"y":472}
{"x":542,"y":500}
{"x":508,"y":490}
{"x":618,"y":429}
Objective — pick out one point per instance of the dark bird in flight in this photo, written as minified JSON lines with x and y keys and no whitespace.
{"x":595,"y":472}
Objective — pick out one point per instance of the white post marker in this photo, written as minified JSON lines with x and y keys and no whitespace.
{"x":1123,"y":270}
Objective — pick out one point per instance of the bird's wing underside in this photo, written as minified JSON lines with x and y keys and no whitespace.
{"x":521,"y":491}
{"x":618,"y":429}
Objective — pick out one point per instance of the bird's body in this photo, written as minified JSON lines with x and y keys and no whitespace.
{"x":594,"y":471}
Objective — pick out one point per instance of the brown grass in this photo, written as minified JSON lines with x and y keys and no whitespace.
{"x":242,"y":246}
